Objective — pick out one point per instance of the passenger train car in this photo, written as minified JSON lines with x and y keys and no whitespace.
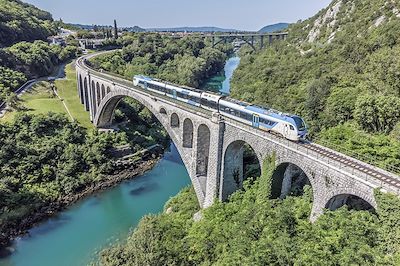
{"x":291,"y":127}
{"x":188,"y":95}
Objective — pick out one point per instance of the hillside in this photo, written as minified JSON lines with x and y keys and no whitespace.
{"x":340,"y":71}
{"x":24,"y":51}
{"x":23,"y":22}
{"x":274,"y":27}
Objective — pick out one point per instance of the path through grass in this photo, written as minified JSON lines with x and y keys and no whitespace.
{"x":40,"y":99}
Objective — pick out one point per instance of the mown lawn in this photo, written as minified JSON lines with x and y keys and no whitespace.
{"x":40,"y":99}
{"x":67,"y":89}
{"x":37,"y":100}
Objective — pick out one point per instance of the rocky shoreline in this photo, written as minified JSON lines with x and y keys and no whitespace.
{"x":53,"y":208}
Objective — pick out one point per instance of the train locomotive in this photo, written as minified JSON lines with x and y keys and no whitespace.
{"x":291,"y":127}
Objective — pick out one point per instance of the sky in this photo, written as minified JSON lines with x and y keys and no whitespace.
{"x":231,"y":14}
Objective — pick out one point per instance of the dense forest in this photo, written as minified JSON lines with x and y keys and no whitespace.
{"x":340,"y":71}
{"x":23,"y":22}
{"x":253,"y":229}
{"x":188,"y":61}
{"x":24,"y":51}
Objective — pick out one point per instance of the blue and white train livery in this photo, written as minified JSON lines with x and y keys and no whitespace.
{"x":187,"y":95}
{"x":291,"y":127}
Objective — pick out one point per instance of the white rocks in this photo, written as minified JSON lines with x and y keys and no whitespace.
{"x":198,"y":216}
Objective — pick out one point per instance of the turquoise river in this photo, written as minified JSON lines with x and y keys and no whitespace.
{"x":74,"y":236}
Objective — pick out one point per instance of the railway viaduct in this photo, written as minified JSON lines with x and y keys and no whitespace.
{"x":212,"y":146}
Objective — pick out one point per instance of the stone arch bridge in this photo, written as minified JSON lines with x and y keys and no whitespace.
{"x":211,"y":147}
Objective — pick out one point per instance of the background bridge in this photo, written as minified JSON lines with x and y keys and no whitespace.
{"x":212,"y":146}
{"x":257,"y":41}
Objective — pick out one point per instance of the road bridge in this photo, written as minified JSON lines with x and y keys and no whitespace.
{"x":212,"y":147}
{"x":250,"y":38}
{"x":255,"y":40}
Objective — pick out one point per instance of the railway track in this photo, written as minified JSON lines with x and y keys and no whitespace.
{"x":380,"y":175}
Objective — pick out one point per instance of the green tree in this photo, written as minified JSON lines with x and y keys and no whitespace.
{"x":377,"y":113}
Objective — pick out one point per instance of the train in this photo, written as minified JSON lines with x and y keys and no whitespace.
{"x":289,"y":126}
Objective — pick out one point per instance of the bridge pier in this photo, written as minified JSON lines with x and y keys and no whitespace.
{"x":261,"y":42}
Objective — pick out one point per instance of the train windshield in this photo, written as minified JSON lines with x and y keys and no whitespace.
{"x":301,"y":126}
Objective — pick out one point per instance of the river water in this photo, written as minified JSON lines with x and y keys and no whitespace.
{"x":75,"y":236}
{"x":221,"y":83}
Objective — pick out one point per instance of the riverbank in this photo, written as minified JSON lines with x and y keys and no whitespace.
{"x":53,"y":208}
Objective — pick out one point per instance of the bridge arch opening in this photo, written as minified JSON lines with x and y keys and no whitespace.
{"x":103,"y":91}
{"x":187,"y":136}
{"x":163,"y":111}
{"x":80,"y":87}
{"x":86,"y":93}
{"x":288,"y":179}
{"x":93,"y":90}
{"x":98,"y":94}
{"x":240,"y":162}
{"x":352,"y":202}
{"x":174,"y":120}
{"x":140,"y":124}
{"x":108,"y":90}
{"x":203,"y":150}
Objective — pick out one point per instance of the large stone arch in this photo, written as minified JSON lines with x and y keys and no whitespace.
{"x":203,"y":150}
{"x":80,"y":88}
{"x":350,"y":200}
{"x":234,"y":167}
{"x":322,"y":201}
{"x":174,"y":120}
{"x":86,"y":94}
{"x":187,"y":135}
{"x":104,"y":118}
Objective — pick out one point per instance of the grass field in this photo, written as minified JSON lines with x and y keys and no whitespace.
{"x":40,"y":99}
{"x":67,"y":89}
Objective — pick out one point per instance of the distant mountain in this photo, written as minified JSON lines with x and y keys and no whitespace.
{"x":192,"y":29}
{"x":274,"y":27}
{"x":134,"y":29}
{"x":80,"y":26}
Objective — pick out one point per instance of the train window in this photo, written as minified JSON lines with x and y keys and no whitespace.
{"x":245,"y":116}
{"x":267,"y":122}
{"x":291,"y":127}
{"x":194,"y":99}
{"x":209,"y":104}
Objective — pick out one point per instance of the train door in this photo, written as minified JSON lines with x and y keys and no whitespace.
{"x":256,"y":121}
{"x":145,"y":85}
{"x":174,"y":94}
{"x":286,"y":131}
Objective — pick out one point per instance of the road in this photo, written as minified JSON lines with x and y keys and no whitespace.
{"x":59,"y":74}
